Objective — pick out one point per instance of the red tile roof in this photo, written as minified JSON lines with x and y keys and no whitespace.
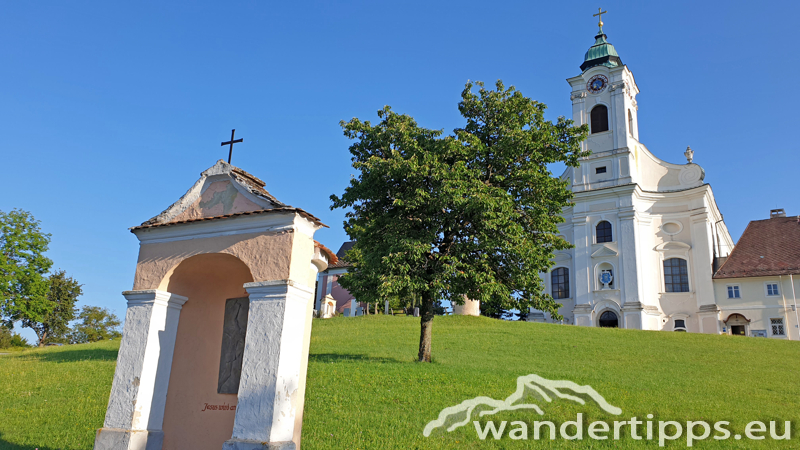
{"x":767,"y":247}
{"x":332,"y":258}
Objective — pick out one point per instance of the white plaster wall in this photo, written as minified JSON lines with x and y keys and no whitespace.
{"x":756,"y":306}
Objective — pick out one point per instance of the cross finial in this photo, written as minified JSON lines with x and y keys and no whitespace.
{"x":599,"y":16}
{"x":231,"y":142}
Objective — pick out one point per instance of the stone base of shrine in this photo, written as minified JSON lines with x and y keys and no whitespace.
{"x":118,"y":439}
{"x":237,"y":444}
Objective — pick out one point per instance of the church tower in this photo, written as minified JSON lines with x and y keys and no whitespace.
{"x":604,"y":97}
{"x":646,"y":233}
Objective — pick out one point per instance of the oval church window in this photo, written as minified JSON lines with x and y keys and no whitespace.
{"x":599,"y":118}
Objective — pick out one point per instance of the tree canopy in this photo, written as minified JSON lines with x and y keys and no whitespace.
{"x":23,"y":284}
{"x":95,"y":324}
{"x":470,"y":214}
{"x":63,"y":292}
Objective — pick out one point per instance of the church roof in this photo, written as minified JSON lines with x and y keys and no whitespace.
{"x":223,"y":191}
{"x":342,"y":263}
{"x":602,"y":53}
{"x":769,"y":247}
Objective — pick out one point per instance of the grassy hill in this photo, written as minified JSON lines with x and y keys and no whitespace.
{"x":366,"y":392}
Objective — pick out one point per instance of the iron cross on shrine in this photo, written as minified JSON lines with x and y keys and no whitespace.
{"x":231,"y":142}
{"x":599,"y":16}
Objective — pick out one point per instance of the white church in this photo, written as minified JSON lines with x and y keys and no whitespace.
{"x":651,"y":249}
{"x":647,"y":234}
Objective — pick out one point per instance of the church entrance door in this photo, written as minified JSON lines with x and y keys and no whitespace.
{"x":609,"y":320}
{"x":737,"y":330}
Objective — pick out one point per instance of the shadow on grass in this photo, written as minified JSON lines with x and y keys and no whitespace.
{"x":336,"y":357}
{"x":73,"y":355}
{"x":5,"y":445}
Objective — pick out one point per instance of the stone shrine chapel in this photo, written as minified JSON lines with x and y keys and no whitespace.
{"x":216,"y":336}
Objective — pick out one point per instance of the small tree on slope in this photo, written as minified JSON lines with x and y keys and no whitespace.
{"x":54,"y":326}
{"x":474,"y":213}
{"x":23,"y":285}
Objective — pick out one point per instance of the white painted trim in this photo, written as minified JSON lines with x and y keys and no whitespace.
{"x":733,"y":309}
{"x":277,"y":290}
{"x":154,"y":297}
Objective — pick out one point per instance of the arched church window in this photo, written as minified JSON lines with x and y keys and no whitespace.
{"x":676,"y":275}
{"x":599,"y":117}
{"x":559,"y":282}
{"x":609,"y":320}
{"x":604,"y":232}
{"x":630,"y":122}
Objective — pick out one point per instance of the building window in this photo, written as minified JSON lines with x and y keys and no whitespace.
{"x":772,"y":289}
{"x":608,"y":320}
{"x":600,"y":170}
{"x":733,"y":292}
{"x":599,"y":117}
{"x":676,"y":275}
{"x":680,"y":325}
{"x":630,"y":122}
{"x":559,"y":280}
{"x":777,"y":327}
{"x":604,"y":232}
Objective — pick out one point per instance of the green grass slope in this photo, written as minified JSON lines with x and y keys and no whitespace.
{"x":55,"y":397}
{"x":366,"y":392}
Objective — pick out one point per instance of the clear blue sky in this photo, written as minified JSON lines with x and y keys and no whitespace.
{"x":110,"y":111}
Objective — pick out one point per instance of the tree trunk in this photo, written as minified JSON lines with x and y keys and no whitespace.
{"x":426,"y":329}
{"x":42,"y":338}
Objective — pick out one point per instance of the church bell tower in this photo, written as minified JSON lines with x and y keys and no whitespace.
{"x":604,"y":97}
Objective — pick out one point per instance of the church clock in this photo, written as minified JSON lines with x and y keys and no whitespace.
{"x":596,"y":84}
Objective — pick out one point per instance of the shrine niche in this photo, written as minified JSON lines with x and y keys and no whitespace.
{"x":215,"y":343}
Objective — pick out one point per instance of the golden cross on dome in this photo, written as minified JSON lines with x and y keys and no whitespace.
{"x":599,"y":16}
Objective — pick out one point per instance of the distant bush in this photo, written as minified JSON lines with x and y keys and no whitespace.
{"x":96,"y":324}
{"x":19,"y":341}
{"x":10,"y":339}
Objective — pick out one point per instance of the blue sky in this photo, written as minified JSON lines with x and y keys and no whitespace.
{"x":110,"y":111}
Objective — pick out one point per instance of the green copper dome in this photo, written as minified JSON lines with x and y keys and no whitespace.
{"x":602,"y":53}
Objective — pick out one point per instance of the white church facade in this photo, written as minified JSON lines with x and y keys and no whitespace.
{"x":647,"y":234}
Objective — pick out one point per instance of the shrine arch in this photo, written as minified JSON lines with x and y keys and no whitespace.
{"x":208,"y":281}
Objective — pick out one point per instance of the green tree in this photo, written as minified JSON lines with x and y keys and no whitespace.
{"x":54,"y":326}
{"x":11,"y":339}
{"x":23,"y":285}
{"x":5,"y":337}
{"x":95,"y":324}
{"x":19,"y":341}
{"x":474,"y":213}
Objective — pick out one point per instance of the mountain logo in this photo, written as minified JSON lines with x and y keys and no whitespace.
{"x":546,"y":389}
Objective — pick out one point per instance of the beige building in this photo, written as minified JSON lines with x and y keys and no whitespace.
{"x":756,"y":288}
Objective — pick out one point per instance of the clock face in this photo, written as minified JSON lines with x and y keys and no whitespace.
{"x":596,"y":84}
